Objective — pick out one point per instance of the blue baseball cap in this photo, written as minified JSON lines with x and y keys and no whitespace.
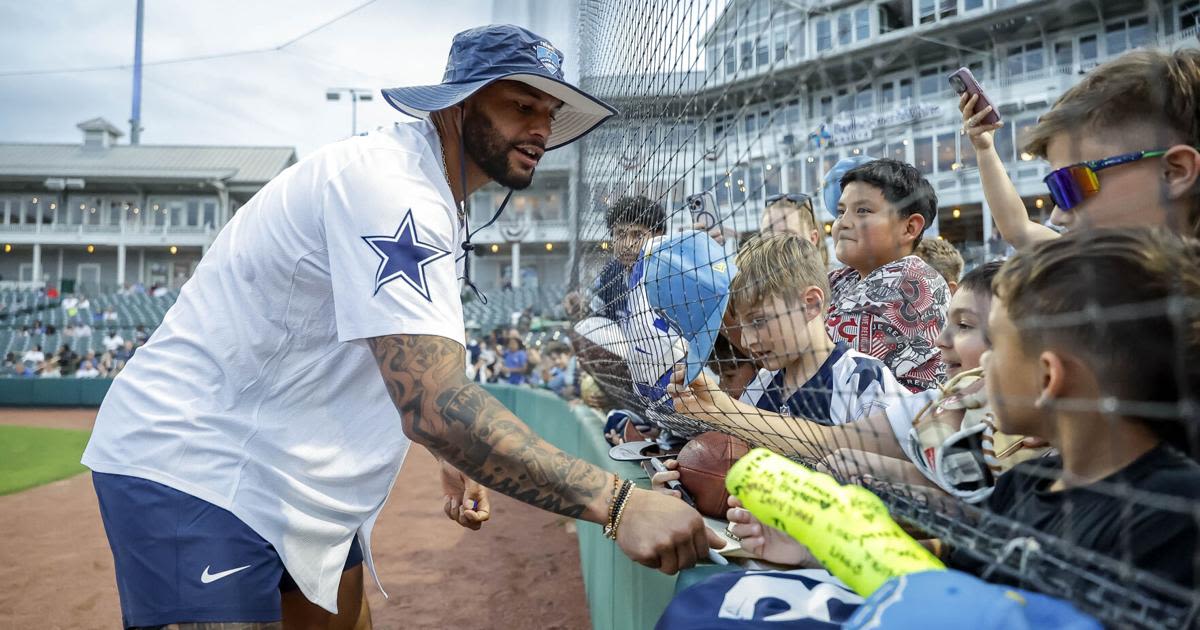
{"x":831,"y":185}
{"x":483,"y":55}
{"x":686,"y":279}
{"x":953,"y":599}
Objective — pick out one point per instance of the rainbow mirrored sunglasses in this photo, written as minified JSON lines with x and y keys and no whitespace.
{"x":1072,"y":185}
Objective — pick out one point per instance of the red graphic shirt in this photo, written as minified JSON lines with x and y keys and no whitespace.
{"x":894,"y":315}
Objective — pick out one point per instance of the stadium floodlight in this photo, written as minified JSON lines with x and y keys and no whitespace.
{"x":356,"y":95}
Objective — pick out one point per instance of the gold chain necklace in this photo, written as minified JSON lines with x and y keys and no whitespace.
{"x":446,"y":173}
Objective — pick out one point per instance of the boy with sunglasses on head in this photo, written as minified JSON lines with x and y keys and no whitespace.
{"x":887,"y":302}
{"x":1124,"y":145}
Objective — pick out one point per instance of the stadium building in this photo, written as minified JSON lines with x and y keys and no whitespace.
{"x":98,"y":215}
{"x":775,"y":92}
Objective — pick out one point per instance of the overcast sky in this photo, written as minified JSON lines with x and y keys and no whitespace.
{"x":268,"y":98}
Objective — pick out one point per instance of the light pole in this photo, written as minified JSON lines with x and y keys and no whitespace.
{"x":356,"y":95}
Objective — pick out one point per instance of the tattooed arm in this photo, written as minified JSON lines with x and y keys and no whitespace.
{"x":463,"y":424}
{"x":460,"y":422}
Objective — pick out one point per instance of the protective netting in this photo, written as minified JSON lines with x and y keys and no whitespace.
{"x":727,"y":108}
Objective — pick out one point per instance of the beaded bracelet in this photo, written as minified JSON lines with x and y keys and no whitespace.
{"x":617,"y":510}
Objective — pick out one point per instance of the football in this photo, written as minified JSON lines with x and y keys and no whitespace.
{"x":703,"y":463}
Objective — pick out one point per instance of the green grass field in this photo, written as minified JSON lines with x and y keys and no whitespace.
{"x":30,"y":456}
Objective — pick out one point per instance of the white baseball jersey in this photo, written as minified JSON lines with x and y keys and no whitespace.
{"x":258,"y":393}
{"x":848,"y":387}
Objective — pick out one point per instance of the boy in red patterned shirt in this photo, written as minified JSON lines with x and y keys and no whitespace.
{"x":887,"y":302}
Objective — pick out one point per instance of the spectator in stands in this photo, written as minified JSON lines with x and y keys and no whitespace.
{"x":50,"y":368}
{"x":516,"y":362}
{"x":140,"y":335}
{"x":533,"y":367}
{"x":793,"y":213}
{"x":35,"y":355}
{"x":69,"y":303}
{"x":82,"y":330}
{"x":113,"y":341}
{"x":27,"y":369}
{"x":558,"y":375}
{"x":944,"y":258}
{"x":38,"y":328}
{"x":68,"y":360}
{"x":106,"y":365}
{"x":631,"y":221}
{"x":110,"y":315}
{"x":1116,"y":400}
{"x":10,"y":365}
{"x":89,"y":367}
{"x":1133,"y":117}
{"x":24,"y":331}
{"x":123,"y":354}
{"x":887,"y":302}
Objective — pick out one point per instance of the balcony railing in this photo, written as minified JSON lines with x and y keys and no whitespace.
{"x":104,"y":229}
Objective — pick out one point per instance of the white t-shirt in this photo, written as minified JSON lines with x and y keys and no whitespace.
{"x":112,"y":343}
{"x":258,"y":393}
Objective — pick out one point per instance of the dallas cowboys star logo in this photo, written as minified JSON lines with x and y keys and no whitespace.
{"x":403,"y":255}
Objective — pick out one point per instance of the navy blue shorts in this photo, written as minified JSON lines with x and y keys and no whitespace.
{"x":181,"y":559}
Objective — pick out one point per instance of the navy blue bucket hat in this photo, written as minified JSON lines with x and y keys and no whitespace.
{"x":486,"y":54}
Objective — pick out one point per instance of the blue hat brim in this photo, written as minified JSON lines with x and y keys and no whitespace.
{"x":579,"y":115}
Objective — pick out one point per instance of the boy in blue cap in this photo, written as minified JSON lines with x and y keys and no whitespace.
{"x":250,"y":445}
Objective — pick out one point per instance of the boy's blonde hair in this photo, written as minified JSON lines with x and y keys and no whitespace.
{"x":942,"y":256}
{"x":777,"y":265}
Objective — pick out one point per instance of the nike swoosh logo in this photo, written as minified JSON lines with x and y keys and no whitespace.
{"x":207,"y":577}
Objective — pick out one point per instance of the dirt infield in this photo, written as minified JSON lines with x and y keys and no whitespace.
{"x":520,"y":571}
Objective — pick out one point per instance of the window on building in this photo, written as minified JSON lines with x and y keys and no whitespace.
{"x":796,"y":49}
{"x":1127,"y":34}
{"x":710,"y":55}
{"x":1189,"y":15}
{"x":772,"y":178}
{"x":781,"y":45}
{"x":971,"y":5}
{"x":762,"y":55}
{"x":1089,"y":50}
{"x":795,"y":178}
{"x":737,"y":189}
{"x":1064,"y":56}
{"x":1025,"y":59}
{"x":751,"y":123}
{"x":930,"y":82}
{"x":844,"y":102}
{"x":1004,"y":143}
{"x":949,"y":8}
{"x":791,"y":112}
{"x":887,"y":93}
{"x":824,"y":35}
{"x":730,"y":60}
{"x":966,"y":153}
{"x":862,"y":24}
{"x":927,"y":11}
{"x":876,"y":151}
{"x":947,"y":153}
{"x":827,"y":106}
{"x":898,"y":150}
{"x":845,"y":29}
{"x":864,"y":99}
{"x":923,"y":155}
{"x":747,"y":55}
{"x":754,"y":186}
{"x":906,"y":89}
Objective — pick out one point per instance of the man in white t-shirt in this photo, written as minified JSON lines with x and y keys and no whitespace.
{"x":248,"y":447}
{"x":113,"y":341}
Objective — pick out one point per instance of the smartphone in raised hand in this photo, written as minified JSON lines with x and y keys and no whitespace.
{"x":962,"y":81}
